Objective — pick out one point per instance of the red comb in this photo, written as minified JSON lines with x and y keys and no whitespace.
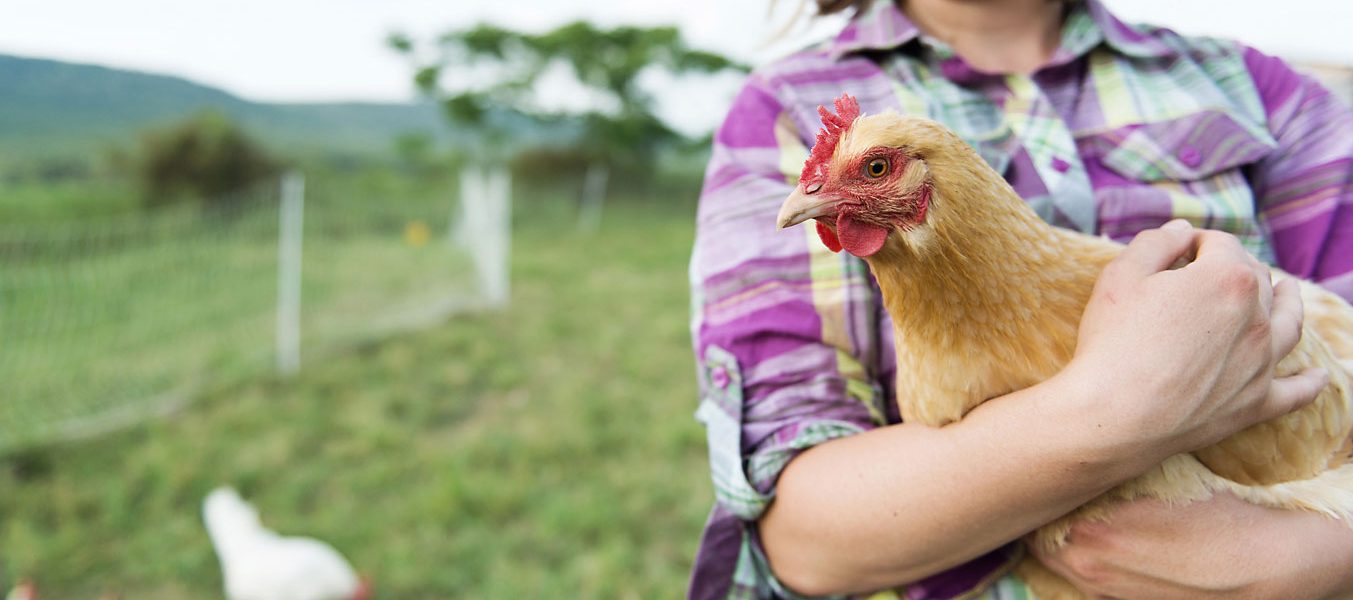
{"x":815,"y":168}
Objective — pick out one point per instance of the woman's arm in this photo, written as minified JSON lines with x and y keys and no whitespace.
{"x":1304,"y":189}
{"x":1174,"y":360}
{"x":1220,"y":548}
{"x":1225,"y":547}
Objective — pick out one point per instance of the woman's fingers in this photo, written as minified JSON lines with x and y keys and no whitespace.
{"x":1286,"y":317}
{"x":1290,"y":393}
{"x":1287,"y":394}
{"x":1266,"y":288}
{"x":1220,"y":326}
{"x":1219,"y":247}
{"x":1155,"y":250}
{"x":1220,"y":254}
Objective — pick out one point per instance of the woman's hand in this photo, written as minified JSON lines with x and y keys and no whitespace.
{"x":1218,"y":548}
{"x":1200,"y":343}
{"x":1167,"y":361}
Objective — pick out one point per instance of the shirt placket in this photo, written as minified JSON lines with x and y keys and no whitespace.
{"x":1070,"y":201}
{"x":955,"y":98}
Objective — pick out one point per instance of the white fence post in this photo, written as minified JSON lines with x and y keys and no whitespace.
{"x":594,"y":195}
{"x":498,"y":280}
{"x":471,"y":187}
{"x":290,"y":229}
{"x":485,"y":229}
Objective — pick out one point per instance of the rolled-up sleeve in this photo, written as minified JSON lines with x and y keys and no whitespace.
{"x":785,"y":332}
{"x":1304,"y":189}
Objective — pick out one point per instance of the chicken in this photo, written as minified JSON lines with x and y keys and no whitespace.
{"x":24,"y":590}
{"x":258,"y":564}
{"x":986,"y":299}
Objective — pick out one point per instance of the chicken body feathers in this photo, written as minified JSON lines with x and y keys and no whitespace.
{"x":987,"y":299}
{"x":258,"y":564}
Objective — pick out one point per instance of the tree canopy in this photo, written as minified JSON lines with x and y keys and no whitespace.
{"x":487,"y":76}
{"x":204,"y":158}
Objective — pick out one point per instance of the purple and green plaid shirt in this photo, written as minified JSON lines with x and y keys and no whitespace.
{"x":1125,"y":128}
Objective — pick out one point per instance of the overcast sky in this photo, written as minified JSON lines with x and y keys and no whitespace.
{"x":308,"y":50}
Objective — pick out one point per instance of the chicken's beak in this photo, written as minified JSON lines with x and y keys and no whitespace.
{"x":806,"y":203}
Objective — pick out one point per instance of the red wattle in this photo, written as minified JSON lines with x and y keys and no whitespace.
{"x":860,"y":238}
{"x":828,"y":237}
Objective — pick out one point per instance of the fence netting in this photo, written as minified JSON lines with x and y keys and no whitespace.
{"x":104,"y":323}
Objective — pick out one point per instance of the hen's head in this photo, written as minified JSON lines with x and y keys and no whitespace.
{"x":871,"y":177}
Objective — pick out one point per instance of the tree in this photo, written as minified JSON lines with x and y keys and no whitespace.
{"x":486,"y":78}
{"x":203,"y":158}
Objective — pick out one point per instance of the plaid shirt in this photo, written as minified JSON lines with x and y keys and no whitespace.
{"x":1125,"y":128}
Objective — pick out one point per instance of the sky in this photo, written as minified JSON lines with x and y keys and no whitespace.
{"x":321,"y":50}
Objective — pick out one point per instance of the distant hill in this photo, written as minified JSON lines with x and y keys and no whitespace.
{"x":49,"y":107}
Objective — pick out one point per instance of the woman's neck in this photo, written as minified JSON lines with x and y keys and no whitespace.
{"x":994,"y":36}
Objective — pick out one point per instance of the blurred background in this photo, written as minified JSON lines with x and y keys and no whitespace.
{"x":408,"y":274}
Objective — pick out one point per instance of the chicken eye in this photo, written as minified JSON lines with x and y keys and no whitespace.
{"x":877,"y":167}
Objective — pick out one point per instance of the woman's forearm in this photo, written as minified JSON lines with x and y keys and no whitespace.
{"x":1167,"y":360}
{"x":1318,"y":552}
{"x":899,"y":503}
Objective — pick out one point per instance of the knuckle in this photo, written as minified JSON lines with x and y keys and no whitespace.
{"x":1150,"y":238}
{"x":1238,"y":280}
{"x":1089,"y":530}
{"x":1261,"y":329}
{"x":1085,"y":566}
{"x":1220,"y":237}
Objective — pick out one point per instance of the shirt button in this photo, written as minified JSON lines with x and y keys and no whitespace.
{"x":1061,"y":166}
{"x":719,"y":377}
{"x":1190,"y":156}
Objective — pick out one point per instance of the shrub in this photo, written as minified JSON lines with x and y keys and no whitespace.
{"x":204,"y":159}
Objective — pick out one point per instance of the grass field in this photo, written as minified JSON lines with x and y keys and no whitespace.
{"x":544,"y":451}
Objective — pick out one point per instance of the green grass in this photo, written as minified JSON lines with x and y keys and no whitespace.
{"x":37,"y":202}
{"x":546,"y":450}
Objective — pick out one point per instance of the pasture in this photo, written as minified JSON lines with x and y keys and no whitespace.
{"x":544,"y":450}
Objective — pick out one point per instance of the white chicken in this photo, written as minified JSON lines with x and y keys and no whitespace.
{"x":24,"y":590}
{"x":258,"y":564}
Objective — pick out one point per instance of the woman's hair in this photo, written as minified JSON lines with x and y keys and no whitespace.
{"x":827,"y":7}
{"x":824,"y":7}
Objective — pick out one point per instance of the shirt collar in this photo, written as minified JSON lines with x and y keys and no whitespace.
{"x":883,"y":26}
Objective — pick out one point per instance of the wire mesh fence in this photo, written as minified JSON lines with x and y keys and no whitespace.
{"x":105,"y":323}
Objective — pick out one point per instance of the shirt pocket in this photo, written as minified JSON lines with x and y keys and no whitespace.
{"x":1189,"y":167}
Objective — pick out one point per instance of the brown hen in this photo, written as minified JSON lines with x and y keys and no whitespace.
{"x":986,"y":299}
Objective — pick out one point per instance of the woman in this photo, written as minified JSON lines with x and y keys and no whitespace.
{"x":1101,"y":127}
